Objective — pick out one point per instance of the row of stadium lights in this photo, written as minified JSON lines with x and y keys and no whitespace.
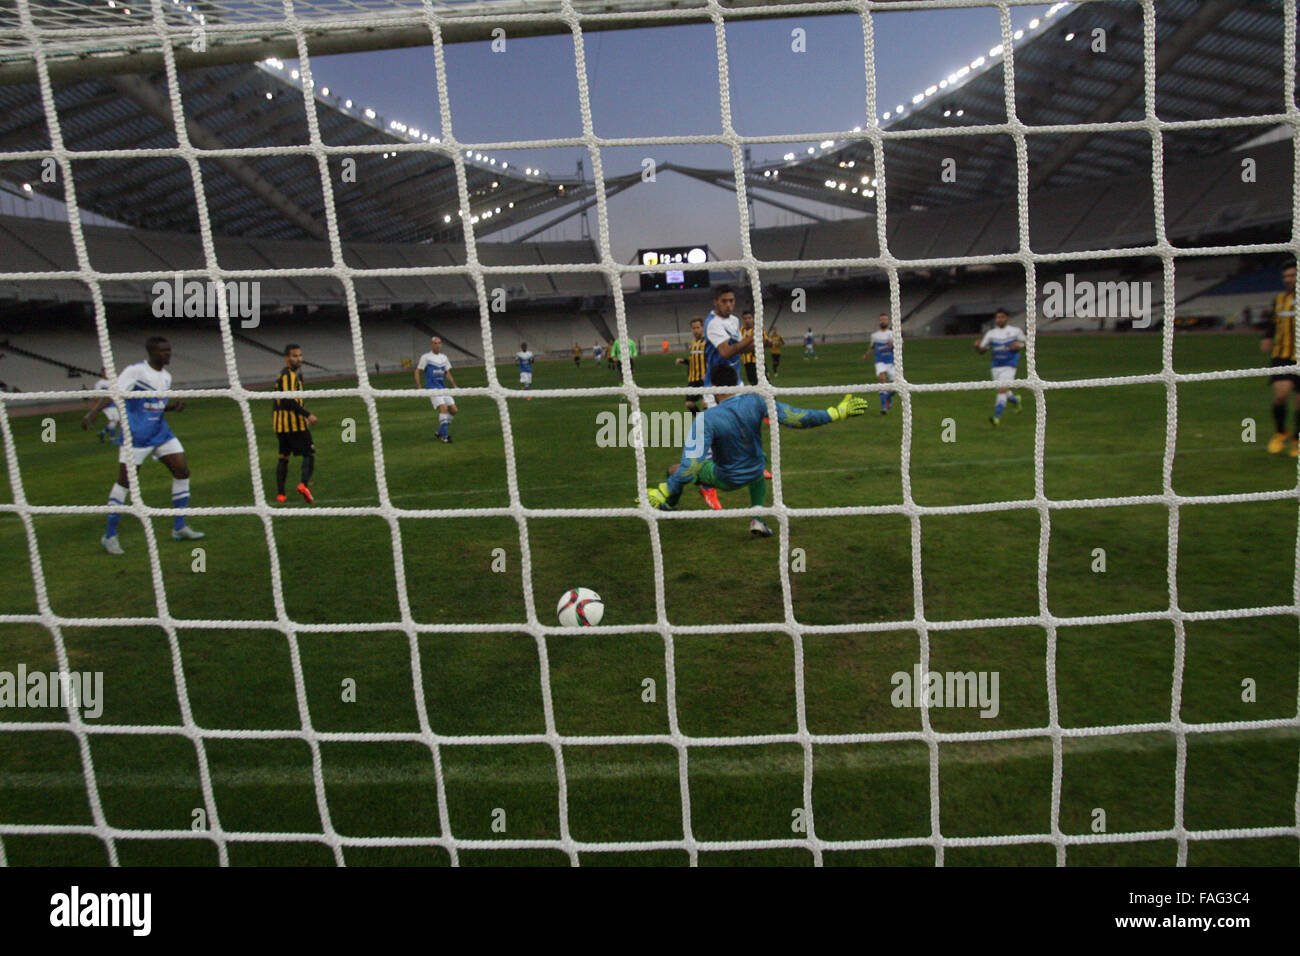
{"x":126,"y":11}
{"x":415,"y":134}
{"x":952,"y":80}
{"x":410,"y":132}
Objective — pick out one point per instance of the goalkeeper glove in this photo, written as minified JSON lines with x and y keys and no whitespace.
{"x":659,"y":497}
{"x":849,"y":406}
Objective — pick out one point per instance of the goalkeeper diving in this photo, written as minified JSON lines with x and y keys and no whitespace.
{"x":725,"y":445}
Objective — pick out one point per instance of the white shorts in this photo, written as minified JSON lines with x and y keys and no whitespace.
{"x":885,"y":368}
{"x":1004,"y":373}
{"x":443,"y":398}
{"x":525,"y":378}
{"x":709,"y":401}
{"x":138,"y":456}
{"x":111,"y":413}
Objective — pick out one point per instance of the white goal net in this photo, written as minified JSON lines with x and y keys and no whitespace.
{"x":48,"y":43}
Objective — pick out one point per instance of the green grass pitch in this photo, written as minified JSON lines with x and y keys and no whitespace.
{"x":1100,"y":442}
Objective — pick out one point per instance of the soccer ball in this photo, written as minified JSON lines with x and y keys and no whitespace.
{"x":580,"y":607}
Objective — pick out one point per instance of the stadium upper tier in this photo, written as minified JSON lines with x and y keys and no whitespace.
{"x":1202,"y":198}
{"x":33,"y":245}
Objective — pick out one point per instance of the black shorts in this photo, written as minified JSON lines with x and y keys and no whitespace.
{"x":1293,"y":378}
{"x":776,"y":359}
{"x":296,"y":443}
{"x":751,"y":372}
{"x":698,"y":383}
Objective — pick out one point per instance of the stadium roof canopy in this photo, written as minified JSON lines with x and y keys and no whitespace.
{"x":1213,"y":59}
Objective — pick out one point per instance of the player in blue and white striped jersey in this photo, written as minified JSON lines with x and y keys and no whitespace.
{"x":882,"y":350}
{"x":1007,"y":342}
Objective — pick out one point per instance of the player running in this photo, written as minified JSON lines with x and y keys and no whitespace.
{"x":733,"y":432}
{"x":433,"y":372}
{"x":292,"y":424}
{"x":113,"y":424}
{"x":809,"y":350}
{"x":151,"y":437}
{"x":525,"y":360}
{"x":882,"y":345}
{"x":694,"y":363}
{"x":1279,"y":345}
{"x":1007,"y":342}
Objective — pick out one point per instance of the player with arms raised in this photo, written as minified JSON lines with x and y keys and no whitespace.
{"x":1280,"y":346}
{"x":525,"y":360}
{"x":151,"y":437}
{"x":292,"y":424}
{"x":1007,"y":342}
{"x":882,"y":350}
{"x":433,"y":372}
{"x":733,"y":432}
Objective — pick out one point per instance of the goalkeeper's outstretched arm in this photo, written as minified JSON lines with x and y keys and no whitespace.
{"x":850,"y":406}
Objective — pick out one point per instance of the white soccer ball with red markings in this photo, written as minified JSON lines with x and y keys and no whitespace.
{"x":580,"y":607}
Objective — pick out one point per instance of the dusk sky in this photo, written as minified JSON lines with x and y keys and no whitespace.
{"x":664,"y":81}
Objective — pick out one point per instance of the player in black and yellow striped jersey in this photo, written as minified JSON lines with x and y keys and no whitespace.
{"x":695,"y":365}
{"x":773,"y":343}
{"x":747,"y":359}
{"x":293,"y":424}
{"x":1279,"y":345}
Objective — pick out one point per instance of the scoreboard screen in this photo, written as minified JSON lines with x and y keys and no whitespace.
{"x":687,"y":268}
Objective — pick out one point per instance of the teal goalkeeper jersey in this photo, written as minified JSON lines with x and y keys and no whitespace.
{"x":733,"y":430}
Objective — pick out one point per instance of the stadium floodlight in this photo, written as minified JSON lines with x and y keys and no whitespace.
{"x":827,"y":143}
{"x":931,"y":90}
{"x":1069,"y":37}
{"x":1033,"y":24}
{"x":996,"y":51}
{"x":976,"y":63}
